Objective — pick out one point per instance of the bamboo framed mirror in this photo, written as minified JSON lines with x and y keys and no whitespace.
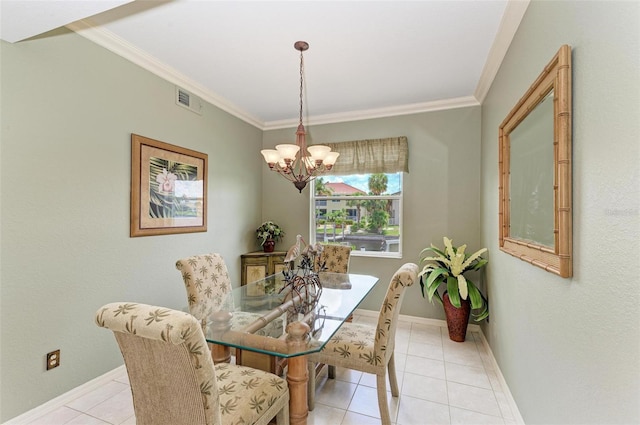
{"x":535,"y":213}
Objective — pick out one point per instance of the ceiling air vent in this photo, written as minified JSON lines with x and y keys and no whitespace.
{"x":188,"y":100}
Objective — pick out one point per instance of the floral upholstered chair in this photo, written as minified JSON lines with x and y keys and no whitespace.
{"x":173,"y":379}
{"x":369,"y":348}
{"x":208,"y":285}
{"x":334,"y":259}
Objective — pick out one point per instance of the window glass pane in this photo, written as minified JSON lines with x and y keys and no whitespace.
{"x":364,"y":212}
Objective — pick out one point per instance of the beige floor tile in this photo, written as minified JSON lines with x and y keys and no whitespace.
{"x":370,"y":380}
{"x":462,"y":374}
{"x":426,"y":334}
{"x":344,"y":374}
{"x":402,"y":344}
{"x":85,"y":420}
{"x":464,"y":417}
{"x":325,"y":415}
{"x":365,"y":402}
{"x":401,"y":361}
{"x":425,"y":367}
{"x":462,"y":353}
{"x":97,"y":396}
{"x":334,"y":393}
{"x":116,"y":409}
{"x":424,"y":387}
{"x":353,"y":418}
{"x":130,"y":421}
{"x":61,"y":415}
{"x":473,"y":398}
{"x":415,"y":411}
{"x":429,"y":351}
{"x":503,"y":403}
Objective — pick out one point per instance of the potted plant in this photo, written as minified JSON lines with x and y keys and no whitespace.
{"x":268,"y":234}
{"x":461,"y":295}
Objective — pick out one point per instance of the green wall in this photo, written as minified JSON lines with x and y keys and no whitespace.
{"x":68,"y":110}
{"x":570,"y":348}
{"x":441,"y":190}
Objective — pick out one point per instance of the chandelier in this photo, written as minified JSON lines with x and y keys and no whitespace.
{"x":298,"y":163}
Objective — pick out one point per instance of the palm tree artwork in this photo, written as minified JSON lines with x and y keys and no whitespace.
{"x":169,"y":189}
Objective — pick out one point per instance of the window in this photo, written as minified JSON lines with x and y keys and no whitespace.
{"x":365,"y":212}
{"x":365,"y":190}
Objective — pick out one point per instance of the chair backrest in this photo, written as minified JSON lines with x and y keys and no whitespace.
{"x":170,"y":369}
{"x":334,"y":258}
{"x":404,"y":277}
{"x":208,"y":284}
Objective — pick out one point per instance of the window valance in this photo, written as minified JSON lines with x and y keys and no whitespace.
{"x":389,"y":155}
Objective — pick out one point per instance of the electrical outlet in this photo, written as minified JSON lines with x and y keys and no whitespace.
{"x":53,"y":359}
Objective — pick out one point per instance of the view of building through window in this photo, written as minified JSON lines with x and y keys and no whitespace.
{"x":361,"y":210}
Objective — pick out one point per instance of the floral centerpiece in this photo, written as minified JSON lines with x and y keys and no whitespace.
{"x":269,"y":231}
{"x":447,"y":268}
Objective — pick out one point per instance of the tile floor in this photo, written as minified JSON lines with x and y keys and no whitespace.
{"x":441,"y":382}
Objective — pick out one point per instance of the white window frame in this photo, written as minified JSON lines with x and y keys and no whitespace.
{"x":356,"y":252}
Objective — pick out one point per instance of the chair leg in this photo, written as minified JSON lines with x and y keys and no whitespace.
{"x":311,"y":385}
{"x":381,"y":386}
{"x":393,"y":381}
{"x":331,"y":371}
{"x":282,"y":418}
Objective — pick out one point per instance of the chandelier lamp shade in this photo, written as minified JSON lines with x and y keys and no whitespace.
{"x":300,"y":163}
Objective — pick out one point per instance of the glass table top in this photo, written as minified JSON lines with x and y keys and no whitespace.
{"x":271,"y":317}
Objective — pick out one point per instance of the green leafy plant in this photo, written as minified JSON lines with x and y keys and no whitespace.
{"x":269,"y":230}
{"x":447,"y":267}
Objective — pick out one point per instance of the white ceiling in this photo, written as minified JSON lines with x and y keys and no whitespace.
{"x":366,"y":58}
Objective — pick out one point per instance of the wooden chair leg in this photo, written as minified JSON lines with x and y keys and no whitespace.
{"x":331,"y":372}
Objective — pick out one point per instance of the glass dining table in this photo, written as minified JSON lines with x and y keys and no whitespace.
{"x":286,"y":319}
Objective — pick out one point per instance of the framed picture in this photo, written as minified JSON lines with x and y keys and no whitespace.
{"x":168,"y":188}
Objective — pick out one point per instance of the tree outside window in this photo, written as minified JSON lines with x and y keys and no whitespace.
{"x":364,"y":212}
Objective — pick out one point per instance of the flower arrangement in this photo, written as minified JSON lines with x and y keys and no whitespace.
{"x":448,"y":268}
{"x":269,"y":230}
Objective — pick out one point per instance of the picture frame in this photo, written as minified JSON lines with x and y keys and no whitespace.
{"x":168,"y":188}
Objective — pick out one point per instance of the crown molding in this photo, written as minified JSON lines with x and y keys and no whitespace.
{"x":511,"y":19}
{"x":120,"y":47}
{"x":513,"y":14}
{"x":414,"y":108}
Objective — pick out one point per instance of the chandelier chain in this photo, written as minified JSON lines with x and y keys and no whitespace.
{"x":301,"y":83}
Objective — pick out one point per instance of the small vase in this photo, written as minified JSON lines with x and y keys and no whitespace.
{"x":457,"y":318}
{"x":269,"y":245}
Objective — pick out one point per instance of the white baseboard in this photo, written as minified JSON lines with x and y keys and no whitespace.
{"x":512,"y":403}
{"x":472,"y":327}
{"x":423,"y":320}
{"x":65,"y":398}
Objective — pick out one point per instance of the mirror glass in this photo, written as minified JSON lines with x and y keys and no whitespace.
{"x":531,"y":175}
{"x":535,"y":214}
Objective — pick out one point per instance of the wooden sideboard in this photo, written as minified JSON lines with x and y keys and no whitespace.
{"x":257,"y":265}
